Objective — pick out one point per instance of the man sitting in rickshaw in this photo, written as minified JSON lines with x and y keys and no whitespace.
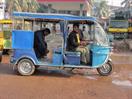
{"x":40,"y":45}
{"x":75,"y":42}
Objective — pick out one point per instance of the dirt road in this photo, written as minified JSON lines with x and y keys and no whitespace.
{"x":59,"y":84}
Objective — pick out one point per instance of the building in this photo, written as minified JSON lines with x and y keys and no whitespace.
{"x":114,"y":9}
{"x":75,"y":7}
{"x":2,"y":9}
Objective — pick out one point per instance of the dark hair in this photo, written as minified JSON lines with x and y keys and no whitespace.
{"x":75,"y":24}
{"x":84,"y":27}
{"x":46,"y":30}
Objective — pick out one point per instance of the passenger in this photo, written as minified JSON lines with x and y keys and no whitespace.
{"x":40,"y":45}
{"x":85,"y":34}
{"x":80,"y":32}
{"x":75,"y":43}
{"x":19,"y":27}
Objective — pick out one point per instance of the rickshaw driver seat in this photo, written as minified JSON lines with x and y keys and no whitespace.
{"x":71,"y":56}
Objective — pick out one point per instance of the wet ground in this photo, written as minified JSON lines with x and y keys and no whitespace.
{"x":60,"y":84}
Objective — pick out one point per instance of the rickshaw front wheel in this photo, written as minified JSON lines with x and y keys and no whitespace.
{"x":106,"y":69}
{"x":25,"y":67}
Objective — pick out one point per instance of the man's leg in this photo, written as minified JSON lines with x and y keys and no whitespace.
{"x":83,"y":54}
{"x":87,"y":54}
{"x":37,"y":53}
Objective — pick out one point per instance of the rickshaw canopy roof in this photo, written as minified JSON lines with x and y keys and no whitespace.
{"x":28,"y":15}
{"x":17,"y":35}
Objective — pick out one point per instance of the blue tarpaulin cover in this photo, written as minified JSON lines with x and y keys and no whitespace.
{"x":51,"y":16}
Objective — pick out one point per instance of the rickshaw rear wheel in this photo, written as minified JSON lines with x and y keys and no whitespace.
{"x":106,"y":69}
{"x":25,"y":67}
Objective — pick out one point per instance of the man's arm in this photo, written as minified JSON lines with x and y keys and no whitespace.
{"x":40,"y":39}
{"x":73,"y":39}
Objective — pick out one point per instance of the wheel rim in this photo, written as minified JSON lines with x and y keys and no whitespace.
{"x":25,"y":67}
{"x":105,"y":68}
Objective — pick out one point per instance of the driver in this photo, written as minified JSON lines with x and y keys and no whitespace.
{"x":40,"y":45}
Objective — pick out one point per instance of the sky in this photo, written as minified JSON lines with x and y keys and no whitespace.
{"x":115,"y":2}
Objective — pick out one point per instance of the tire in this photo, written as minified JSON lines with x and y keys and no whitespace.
{"x":25,"y":67}
{"x":0,"y":57}
{"x":106,"y":69}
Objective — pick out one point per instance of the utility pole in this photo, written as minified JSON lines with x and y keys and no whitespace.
{"x":81,"y":9}
{"x":49,"y":8}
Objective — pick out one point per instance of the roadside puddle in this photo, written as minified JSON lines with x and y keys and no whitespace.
{"x":125,"y":83}
{"x":123,"y":78}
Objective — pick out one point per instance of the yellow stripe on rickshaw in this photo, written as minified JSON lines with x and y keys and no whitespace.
{"x":5,"y":21}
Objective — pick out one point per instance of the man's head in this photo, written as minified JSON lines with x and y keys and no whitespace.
{"x":46,"y":31}
{"x":76,"y":27}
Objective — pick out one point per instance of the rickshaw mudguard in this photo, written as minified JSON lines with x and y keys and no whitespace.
{"x":19,"y":54}
{"x":100,"y":55}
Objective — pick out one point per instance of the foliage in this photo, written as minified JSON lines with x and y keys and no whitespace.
{"x":101,"y":9}
{"x":22,"y":5}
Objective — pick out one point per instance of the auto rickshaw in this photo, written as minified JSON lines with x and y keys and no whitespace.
{"x":5,"y":35}
{"x":24,"y":59}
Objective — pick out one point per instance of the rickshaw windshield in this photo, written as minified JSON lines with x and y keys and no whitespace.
{"x":7,"y":27}
{"x":100,"y":35}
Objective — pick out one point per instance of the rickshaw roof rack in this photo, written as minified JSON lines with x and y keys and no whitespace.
{"x":27,"y":15}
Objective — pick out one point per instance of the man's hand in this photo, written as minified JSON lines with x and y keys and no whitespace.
{"x":83,"y":43}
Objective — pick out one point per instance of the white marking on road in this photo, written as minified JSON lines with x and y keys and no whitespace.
{"x":126,"y":83}
{"x":89,"y":77}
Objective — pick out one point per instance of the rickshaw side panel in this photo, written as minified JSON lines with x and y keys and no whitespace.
{"x":1,"y":41}
{"x":22,"y":44}
{"x":99,"y":55}
{"x":7,"y":39}
{"x":22,"y":39}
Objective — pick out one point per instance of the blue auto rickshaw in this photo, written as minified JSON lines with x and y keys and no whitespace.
{"x":24,"y":59}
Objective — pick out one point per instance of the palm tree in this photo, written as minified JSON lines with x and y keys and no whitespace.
{"x":127,"y":3}
{"x":22,"y":5}
{"x":89,"y":6}
{"x":101,"y":9}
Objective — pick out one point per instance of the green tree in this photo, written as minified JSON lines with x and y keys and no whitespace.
{"x":101,"y":9}
{"x":22,"y":5}
{"x":127,"y":3}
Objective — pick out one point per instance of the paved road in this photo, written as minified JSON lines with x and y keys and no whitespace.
{"x":58,"y":84}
